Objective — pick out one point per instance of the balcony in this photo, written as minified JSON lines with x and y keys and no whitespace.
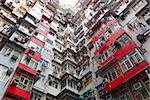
{"x":19,"y":12}
{"x":19,"y":39}
{"x":32,"y":21}
{"x":8,"y":17}
{"x":84,"y":72}
{"x":103,"y":30}
{"x":5,"y":29}
{"x":50,"y":7}
{"x":10,"y":57}
{"x":70,"y":83}
{"x":120,"y":53}
{"x":58,"y":46}
{"x":111,"y":39}
{"x":58,"y":59}
{"x":123,"y":6}
{"x":30,"y":53}
{"x":139,"y":5}
{"x":27,"y":69}
{"x":36,"y":11}
{"x":70,"y":58}
{"x":142,"y":38}
{"x":127,"y":75}
{"x":17,"y":92}
{"x":24,"y":30}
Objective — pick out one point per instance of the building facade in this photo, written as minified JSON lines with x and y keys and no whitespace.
{"x":96,"y":50}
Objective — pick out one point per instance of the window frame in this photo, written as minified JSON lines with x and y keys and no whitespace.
{"x":127,"y":58}
{"x":109,"y":73}
{"x":29,"y":84}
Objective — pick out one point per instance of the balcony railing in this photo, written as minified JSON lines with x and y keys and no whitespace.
{"x":20,"y":40}
{"x":24,"y":30}
{"x":18,"y":92}
{"x":119,"y":53}
{"x":127,"y":75}
{"x":111,"y":39}
{"x":103,"y":30}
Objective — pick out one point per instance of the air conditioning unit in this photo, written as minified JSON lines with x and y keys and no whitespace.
{"x":137,"y":86}
{"x":14,"y":57}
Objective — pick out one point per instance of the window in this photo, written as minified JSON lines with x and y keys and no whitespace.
{"x":54,"y":84}
{"x":114,"y":28}
{"x":131,"y":60}
{"x":48,"y":98}
{"x":123,"y":39}
{"x":47,"y":53}
{"x":42,"y":29}
{"x":25,"y":82}
{"x":40,"y":37}
{"x":72,"y":84}
{"x":36,"y":47}
{"x":33,"y":64}
{"x":3,"y":72}
{"x":124,"y":95}
{"x":59,"y":46}
{"x":137,"y":5}
{"x":15,"y":56}
{"x":112,"y":73}
{"x":6,"y":29}
{"x":36,"y":96}
{"x":120,"y":42}
{"x":1,"y":38}
{"x":30,"y":62}
{"x":7,"y":51}
{"x":56,"y":69}
{"x":88,"y":80}
{"x":64,"y":83}
{"x":43,"y":62}
{"x":101,"y":40}
{"x":106,"y":54}
{"x":49,"y":41}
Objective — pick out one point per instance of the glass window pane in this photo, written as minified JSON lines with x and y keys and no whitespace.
{"x":113,"y":73}
{"x":128,"y":64}
{"x":122,"y":98}
{"x":133,"y":60}
{"x":124,"y":68}
{"x":128,"y":96}
{"x":138,"y":57}
{"x":22,"y":79}
{"x":26,"y":82}
{"x":110,"y":77}
{"x":117,"y":70}
{"x":139,"y":97}
{"x":145,"y":94}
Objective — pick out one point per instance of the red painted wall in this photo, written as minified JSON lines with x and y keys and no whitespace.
{"x":103,"y":30}
{"x":18,"y":92}
{"x":26,"y":68}
{"x":127,"y":75}
{"x":36,"y":56}
{"x":38,"y":42}
{"x":111,"y":39}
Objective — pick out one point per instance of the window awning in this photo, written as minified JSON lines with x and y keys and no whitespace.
{"x":28,"y":69}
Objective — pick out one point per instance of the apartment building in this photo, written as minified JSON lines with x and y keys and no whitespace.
{"x":92,"y":50}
